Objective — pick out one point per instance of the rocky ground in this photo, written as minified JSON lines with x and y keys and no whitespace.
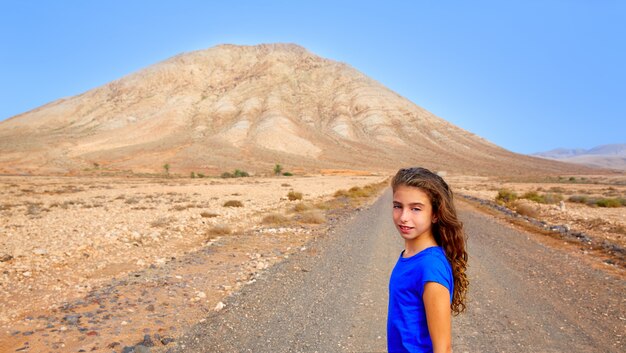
{"x":98,"y":263}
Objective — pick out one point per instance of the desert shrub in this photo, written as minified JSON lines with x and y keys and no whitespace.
{"x":287,"y":174}
{"x":506,"y":196}
{"x":526,"y":210}
{"x":578,"y":199}
{"x":609,"y":202}
{"x":285,"y":185}
{"x":208,"y":214}
{"x":200,"y":175}
{"x":356,"y":191}
{"x":294,"y":195}
{"x":278,"y":169}
{"x":226,"y":175}
{"x":219,"y":230}
{"x":550,"y":198}
{"x":302,"y":206}
{"x":557,"y":189}
{"x":240,"y":173}
{"x":533,"y":196}
{"x":193,"y":175}
{"x":233,"y":203}
{"x":341,"y":193}
{"x":275,"y":218}
{"x":312,"y":217}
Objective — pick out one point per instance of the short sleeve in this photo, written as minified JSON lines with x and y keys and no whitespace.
{"x":438,"y":271}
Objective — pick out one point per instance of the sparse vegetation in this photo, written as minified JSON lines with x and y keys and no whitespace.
{"x":525,"y":209}
{"x":278,"y":169}
{"x":193,"y":175}
{"x":312,"y":217}
{"x":598,"y":201}
{"x":233,"y":203}
{"x":219,"y":230}
{"x":302,"y":206}
{"x":294,"y":195}
{"x":206,"y":214}
{"x":275,"y":219}
{"x":236,"y":174}
{"x":287,"y":174}
{"x":505,"y":196}
{"x":166,"y":167}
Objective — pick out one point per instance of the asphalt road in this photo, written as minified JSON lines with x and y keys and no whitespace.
{"x":332,"y":297}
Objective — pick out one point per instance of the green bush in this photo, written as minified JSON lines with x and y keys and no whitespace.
{"x":226,"y":175}
{"x":506,"y":196}
{"x":240,"y":173}
{"x":610,"y":202}
{"x":287,"y":174}
{"x":193,"y":175}
{"x":533,"y":196}
{"x":278,"y":169}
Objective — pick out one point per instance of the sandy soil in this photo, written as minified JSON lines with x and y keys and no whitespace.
{"x":67,"y":243}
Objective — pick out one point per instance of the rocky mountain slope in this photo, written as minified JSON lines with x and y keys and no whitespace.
{"x":246,"y":107}
{"x":606,"y":156}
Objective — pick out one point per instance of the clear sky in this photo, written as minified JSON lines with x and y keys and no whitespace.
{"x":528,"y":75}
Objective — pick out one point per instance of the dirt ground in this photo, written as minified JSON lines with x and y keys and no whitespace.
{"x":96,"y":264}
{"x":67,"y":243}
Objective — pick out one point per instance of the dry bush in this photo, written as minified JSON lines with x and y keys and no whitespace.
{"x":120,"y":197}
{"x":526,"y":210}
{"x":233,"y":203}
{"x":312,"y":217}
{"x":208,"y":214}
{"x":219,"y":230}
{"x":275,"y":218}
{"x":285,"y":185}
{"x":341,"y":193}
{"x":302,"y":206}
{"x":294,"y":195}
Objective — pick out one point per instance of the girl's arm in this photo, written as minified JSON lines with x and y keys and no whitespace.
{"x":438,"y":316}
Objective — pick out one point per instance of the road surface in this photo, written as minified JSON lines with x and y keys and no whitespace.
{"x":332,"y":297}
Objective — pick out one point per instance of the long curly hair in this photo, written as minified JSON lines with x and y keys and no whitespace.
{"x":447,"y":230}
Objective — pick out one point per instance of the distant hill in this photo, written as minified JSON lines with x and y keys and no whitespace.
{"x":247,"y":107}
{"x":611,"y":156}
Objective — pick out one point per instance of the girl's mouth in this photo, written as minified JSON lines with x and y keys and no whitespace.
{"x":404,"y":229}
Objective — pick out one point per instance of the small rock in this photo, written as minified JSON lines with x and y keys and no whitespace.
{"x":219,"y":306}
{"x":201,"y":295}
{"x":5,"y":257}
{"x":166,"y":340}
{"x":40,"y":251}
{"x":147,"y":341}
{"x":27,"y":274}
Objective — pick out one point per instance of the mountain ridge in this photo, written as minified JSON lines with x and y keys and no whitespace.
{"x":246,"y":107}
{"x":612,"y":156}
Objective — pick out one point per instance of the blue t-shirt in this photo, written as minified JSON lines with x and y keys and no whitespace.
{"x":407,"y":330}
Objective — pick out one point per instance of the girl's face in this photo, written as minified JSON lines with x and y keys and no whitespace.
{"x":412,"y":212}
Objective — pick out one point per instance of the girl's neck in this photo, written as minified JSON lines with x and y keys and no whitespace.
{"x":414,"y":246}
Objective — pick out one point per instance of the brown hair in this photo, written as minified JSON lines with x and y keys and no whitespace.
{"x":447,"y":230}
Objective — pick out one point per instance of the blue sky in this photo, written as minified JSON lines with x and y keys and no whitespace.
{"x":527,"y":75}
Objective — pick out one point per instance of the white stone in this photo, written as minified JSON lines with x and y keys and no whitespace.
{"x":219,"y":306}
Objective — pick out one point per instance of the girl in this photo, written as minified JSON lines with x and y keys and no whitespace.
{"x":428,"y":283}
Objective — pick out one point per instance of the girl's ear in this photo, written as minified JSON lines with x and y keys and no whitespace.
{"x":434,"y":219}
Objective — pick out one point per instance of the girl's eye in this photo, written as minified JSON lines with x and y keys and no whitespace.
{"x":416,"y":209}
{"x":397,"y":206}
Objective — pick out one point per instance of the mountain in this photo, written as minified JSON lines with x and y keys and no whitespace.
{"x":612,"y":156}
{"x":247,"y":107}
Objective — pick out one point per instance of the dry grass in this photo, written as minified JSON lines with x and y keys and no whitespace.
{"x":275,"y":219}
{"x":302,"y":206}
{"x":526,"y":209}
{"x":312,"y":217}
{"x":294,"y":196}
